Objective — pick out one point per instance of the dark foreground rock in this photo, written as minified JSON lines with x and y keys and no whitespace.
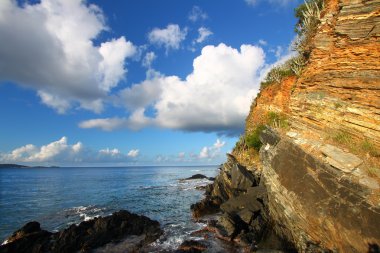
{"x":198,"y":176}
{"x":86,"y":236}
{"x":192,"y":246}
{"x":240,"y":198}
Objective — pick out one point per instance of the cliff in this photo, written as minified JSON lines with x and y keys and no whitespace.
{"x":309,"y":181}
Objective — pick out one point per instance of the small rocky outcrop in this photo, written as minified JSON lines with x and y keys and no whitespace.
{"x":198,"y":176}
{"x":86,"y":236}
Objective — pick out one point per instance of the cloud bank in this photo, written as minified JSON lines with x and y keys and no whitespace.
{"x":61,"y":152}
{"x":215,"y":97}
{"x":49,"y":47}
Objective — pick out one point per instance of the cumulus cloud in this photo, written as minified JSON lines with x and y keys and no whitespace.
{"x":215,"y":97}
{"x":197,"y":13}
{"x":61,"y":152}
{"x":133,"y":153}
{"x":111,"y":152}
{"x":212,"y":151}
{"x":49,"y":47}
{"x":169,"y":37}
{"x":55,"y":150}
{"x":204,"y":33}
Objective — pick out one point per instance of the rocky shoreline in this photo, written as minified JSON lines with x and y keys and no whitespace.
{"x":240,"y":200}
{"x":133,"y":231}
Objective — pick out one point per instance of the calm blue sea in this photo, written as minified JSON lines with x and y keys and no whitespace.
{"x":58,"y":197}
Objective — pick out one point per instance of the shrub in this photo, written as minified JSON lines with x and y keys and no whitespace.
{"x":253,"y":139}
{"x":309,"y":17}
{"x":277,"y":74}
{"x":277,"y":120}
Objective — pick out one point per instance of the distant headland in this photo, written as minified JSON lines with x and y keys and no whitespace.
{"x":11,"y":165}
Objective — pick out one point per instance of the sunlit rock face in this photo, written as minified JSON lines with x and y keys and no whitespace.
{"x":340,"y":87}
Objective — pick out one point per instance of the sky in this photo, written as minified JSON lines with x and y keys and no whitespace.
{"x":122,"y":82}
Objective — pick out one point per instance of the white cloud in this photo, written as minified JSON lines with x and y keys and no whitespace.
{"x":169,"y":37}
{"x":213,"y":151}
{"x":133,"y":153}
{"x":114,"y":53}
{"x":111,"y":152}
{"x":219,"y":144}
{"x":148,"y":59}
{"x":263,"y":42}
{"x":215,"y":97}
{"x":46,"y":153}
{"x":197,"y":13}
{"x":181,"y":155}
{"x":204,"y":33}
{"x":204,"y":153}
{"x":61,"y":152}
{"x":48,"y":46}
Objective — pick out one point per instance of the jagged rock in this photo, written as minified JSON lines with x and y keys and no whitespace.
{"x":226,"y":226}
{"x":84,"y":237}
{"x":29,"y":238}
{"x":246,"y":216}
{"x":192,"y":246}
{"x":209,"y":205}
{"x":241,"y":178}
{"x":313,"y":205}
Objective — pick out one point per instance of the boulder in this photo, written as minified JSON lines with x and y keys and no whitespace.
{"x":209,"y":205}
{"x":30,"y":238}
{"x":241,"y":178}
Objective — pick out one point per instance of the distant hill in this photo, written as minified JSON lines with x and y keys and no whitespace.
{"x":10,"y":165}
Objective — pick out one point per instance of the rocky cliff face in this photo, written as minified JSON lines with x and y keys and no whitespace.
{"x":315,"y":205}
{"x":316,"y":186}
{"x":339,"y":89}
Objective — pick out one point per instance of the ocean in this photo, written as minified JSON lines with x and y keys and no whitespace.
{"x":59,"y":197}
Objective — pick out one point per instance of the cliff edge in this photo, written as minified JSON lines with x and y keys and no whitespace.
{"x":306,"y":174}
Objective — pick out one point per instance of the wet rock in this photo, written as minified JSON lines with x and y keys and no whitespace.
{"x":84,"y":237}
{"x":226,"y":226}
{"x":209,"y":205}
{"x":30,"y":238}
{"x":198,"y":176}
{"x":192,"y":246}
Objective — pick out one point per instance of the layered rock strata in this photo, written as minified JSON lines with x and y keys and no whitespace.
{"x":339,"y":88}
{"x":317,"y":206}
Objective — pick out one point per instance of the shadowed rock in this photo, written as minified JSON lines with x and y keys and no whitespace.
{"x":84,"y":237}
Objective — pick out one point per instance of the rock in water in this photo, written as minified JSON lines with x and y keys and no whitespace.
{"x":198,"y":176}
{"x":84,"y":237}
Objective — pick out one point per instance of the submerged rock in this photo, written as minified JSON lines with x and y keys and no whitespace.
{"x":86,"y":236}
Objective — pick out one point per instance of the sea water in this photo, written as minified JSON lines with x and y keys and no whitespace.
{"x":59,"y":197}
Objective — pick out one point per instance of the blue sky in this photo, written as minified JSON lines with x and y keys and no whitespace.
{"x":133,"y":82}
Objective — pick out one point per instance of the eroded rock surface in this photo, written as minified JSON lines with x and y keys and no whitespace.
{"x":315,"y":205}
